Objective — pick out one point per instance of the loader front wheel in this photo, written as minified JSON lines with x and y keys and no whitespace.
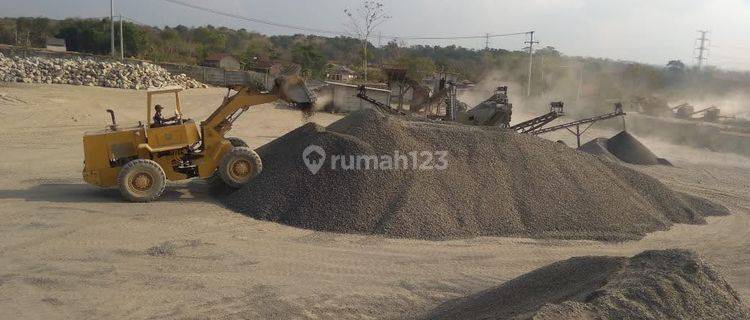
{"x":239,"y":166}
{"x":141,"y":180}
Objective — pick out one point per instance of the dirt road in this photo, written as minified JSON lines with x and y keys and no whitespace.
{"x":70,"y":250}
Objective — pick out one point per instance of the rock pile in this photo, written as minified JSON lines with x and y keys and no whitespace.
{"x":668,"y":284}
{"x":622,"y":147}
{"x":494,"y":182}
{"x":90,"y":72}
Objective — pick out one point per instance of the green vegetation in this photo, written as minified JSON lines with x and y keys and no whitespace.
{"x":554,"y":74}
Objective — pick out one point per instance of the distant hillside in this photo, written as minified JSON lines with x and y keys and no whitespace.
{"x":555,"y":75}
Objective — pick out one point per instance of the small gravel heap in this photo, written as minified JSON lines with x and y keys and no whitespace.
{"x":668,"y":284}
{"x":496,"y":183}
{"x":622,"y":147}
{"x":90,"y":72}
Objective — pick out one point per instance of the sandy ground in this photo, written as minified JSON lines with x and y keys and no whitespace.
{"x":70,"y":250}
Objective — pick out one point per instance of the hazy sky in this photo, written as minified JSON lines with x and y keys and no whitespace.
{"x":639,"y":30}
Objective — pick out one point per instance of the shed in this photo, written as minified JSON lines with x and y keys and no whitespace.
{"x":56,"y":44}
{"x":222,"y":60}
{"x":274,"y":68}
{"x":341,"y":73}
{"x":342,"y":97}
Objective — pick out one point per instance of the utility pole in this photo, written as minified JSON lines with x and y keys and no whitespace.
{"x":487,"y":42}
{"x":112,"y":25}
{"x":531,"y":43}
{"x":541,"y":77}
{"x":580,"y":82}
{"x":122,"y":46}
{"x":702,"y":48}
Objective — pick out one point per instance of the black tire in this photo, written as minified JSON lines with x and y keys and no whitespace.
{"x":237,"y":142}
{"x":141,"y":180}
{"x":239,"y":166}
{"x":214,"y":181}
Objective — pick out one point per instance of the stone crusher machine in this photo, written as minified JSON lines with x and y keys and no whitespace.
{"x":495,"y":111}
{"x":687,"y":112}
{"x":139,"y":159}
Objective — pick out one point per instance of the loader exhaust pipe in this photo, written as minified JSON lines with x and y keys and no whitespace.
{"x":112,"y":115}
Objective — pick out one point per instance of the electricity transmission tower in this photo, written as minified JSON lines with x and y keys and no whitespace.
{"x":702,"y":48}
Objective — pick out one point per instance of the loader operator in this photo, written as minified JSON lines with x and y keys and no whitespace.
{"x":159,"y":120}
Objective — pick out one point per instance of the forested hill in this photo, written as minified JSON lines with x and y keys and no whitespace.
{"x":553,"y":72}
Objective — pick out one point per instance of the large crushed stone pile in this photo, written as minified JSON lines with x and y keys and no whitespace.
{"x":497,"y":183}
{"x":668,"y":284}
{"x":90,"y":72}
{"x":623,"y":147}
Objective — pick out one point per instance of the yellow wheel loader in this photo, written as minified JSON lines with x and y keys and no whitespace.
{"x":140,"y":159}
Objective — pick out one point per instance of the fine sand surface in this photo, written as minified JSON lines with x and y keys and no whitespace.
{"x":70,"y":250}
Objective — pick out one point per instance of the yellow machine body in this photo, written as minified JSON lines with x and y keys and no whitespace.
{"x":183,"y":149}
{"x":107,"y":150}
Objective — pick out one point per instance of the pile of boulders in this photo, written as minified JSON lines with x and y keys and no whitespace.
{"x":90,"y":72}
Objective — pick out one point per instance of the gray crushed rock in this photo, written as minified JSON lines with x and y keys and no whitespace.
{"x":498,"y":183}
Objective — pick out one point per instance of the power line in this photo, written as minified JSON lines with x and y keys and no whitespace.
{"x":459,"y":37}
{"x":235,"y":16}
{"x":330,"y":32}
{"x":133,"y":20}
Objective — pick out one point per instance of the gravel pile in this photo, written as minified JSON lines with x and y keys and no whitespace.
{"x":627,"y":148}
{"x":623,"y":147}
{"x":90,"y":72}
{"x":497,"y":183}
{"x":668,"y":284}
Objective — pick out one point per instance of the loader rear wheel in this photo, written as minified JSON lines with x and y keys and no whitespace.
{"x":239,"y":166}
{"x":237,"y":142}
{"x":141,"y":180}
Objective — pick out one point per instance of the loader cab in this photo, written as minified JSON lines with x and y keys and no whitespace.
{"x":151,"y":105}
{"x":180,"y":133}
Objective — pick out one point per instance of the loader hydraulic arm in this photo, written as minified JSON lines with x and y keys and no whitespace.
{"x":291,"y":89}
{"x":220,"y":121}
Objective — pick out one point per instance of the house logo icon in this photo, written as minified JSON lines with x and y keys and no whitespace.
{"x":314,"y":156}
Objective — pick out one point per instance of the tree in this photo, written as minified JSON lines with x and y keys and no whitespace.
{"x":363,"y":21}
{"x":548,"y":51}
{"x":676,"y":72}
{"x":309,"y":57}
{"x":676,"y":66}
{"x":417,"y":68}
{"x":256,"y":49}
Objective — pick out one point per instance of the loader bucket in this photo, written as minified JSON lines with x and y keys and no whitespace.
{"x":292,"y":89}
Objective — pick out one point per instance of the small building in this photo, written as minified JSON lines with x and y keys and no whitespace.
{"x":222,"y":60}
{"x":56,"y":44}
{"x":274,"y":68}
{"x":342,"y":97}
{"x":340,"y":74}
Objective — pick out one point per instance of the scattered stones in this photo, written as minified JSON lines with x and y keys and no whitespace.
{"x":163,"y":249}
{"x":90,"y":72}
{"x":668,"y":284}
